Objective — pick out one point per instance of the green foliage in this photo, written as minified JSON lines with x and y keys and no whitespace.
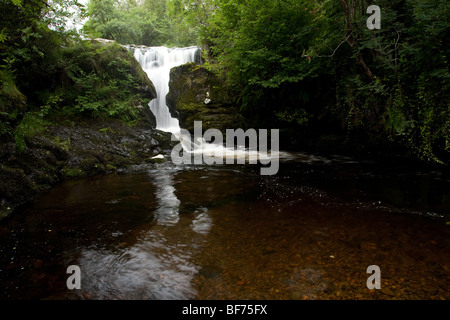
{"x":46,"y":73}
{"x":190,"y":20}
{"x":31,"y":125}
{"x":32,"y":34}
{"x":259,"y":46}
{"x":129,"y":22}
{"x":299,"y":65}
{"x":316,"y":64}
{"x":149,"y":22}
{"x":260,"y":41}
{"x":300,"y":116}
{"x":401,"y":71}
{"x":103,"y":82}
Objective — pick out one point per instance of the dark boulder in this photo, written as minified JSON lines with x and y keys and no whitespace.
{"x":196,"y":94}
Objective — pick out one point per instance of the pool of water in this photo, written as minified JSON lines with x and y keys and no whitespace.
{"x":225,"y":232}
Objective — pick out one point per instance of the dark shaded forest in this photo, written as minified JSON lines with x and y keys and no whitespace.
{"x":310,"y":68}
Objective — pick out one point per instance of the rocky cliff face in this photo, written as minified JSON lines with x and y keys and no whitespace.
{"x":196,"y":94}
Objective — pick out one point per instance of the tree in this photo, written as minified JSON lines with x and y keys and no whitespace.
{"x":397,"y":84}
{"x":32,"y":33}
{"x":129,"y":22}
{"x":316,"y":64}
{"x":258,"y":46}
{"x":190,"y":19}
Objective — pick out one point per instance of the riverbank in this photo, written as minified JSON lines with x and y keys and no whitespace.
{"x":91,"y":147}
{"x":90,"y":119}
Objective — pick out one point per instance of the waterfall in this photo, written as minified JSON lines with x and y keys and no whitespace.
{"x":157,"y":63}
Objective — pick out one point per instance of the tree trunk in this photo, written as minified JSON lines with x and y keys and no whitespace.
{"x":350,"y":7}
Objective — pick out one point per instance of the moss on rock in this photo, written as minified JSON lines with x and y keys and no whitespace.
{"x":196,"y":94}
{"x":71,"y":143}
{"x":12,"y":104}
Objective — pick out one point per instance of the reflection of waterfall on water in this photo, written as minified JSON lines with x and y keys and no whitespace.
{"x":155,"y":268}
{"x":167,"y":212}
{"x":157,"y":263}
{"x":202,"y":222}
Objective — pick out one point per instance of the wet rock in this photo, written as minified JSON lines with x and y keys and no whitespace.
{"x":196,"y":94}
{"x":210,"y":272}
{"x":15,"y":188}
{"x":388,"y":292}
{"x":67,"y":152}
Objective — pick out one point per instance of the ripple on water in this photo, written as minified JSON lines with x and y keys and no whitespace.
{"x":227,"y":233}
{"x":145,"y":271}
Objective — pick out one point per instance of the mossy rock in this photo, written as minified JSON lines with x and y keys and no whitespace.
{"x":104,"y":80}
{"x":69,"y":143}
{"x":12,"y":102}
{"x":73,"y":173}
{"x":106,"y":53}
{"x":196,"y":94}
{"x":15,"y":187}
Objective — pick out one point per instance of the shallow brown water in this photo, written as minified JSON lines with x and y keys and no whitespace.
{"x":227,"y":233}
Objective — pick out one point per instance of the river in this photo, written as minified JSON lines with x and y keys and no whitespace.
{"x":164,"y":232}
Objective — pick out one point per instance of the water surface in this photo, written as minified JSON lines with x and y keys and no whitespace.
{"x":225,"y":232}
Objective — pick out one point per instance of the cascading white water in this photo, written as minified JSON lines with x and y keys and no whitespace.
{"x":157,"y":63}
